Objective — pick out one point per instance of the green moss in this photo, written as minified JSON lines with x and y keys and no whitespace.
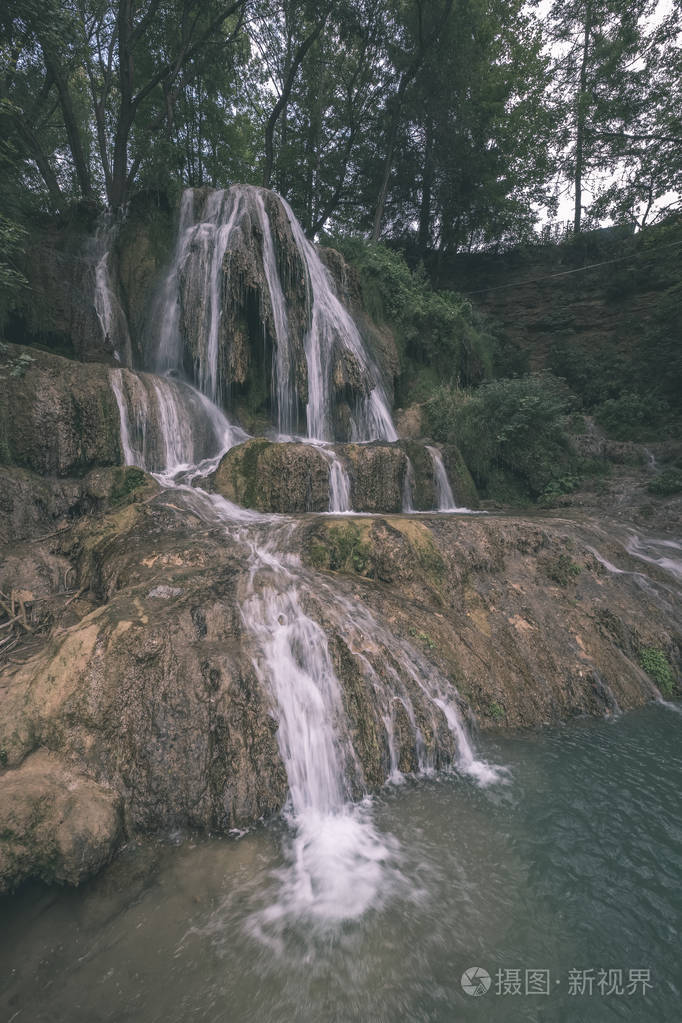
{"x":127,"y":480}
{"x":343,"y":549}
{"x":657,"y":667}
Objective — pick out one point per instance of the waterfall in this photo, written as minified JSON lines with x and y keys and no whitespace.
{"x":408,"y":487}
{"x":196,"y":273}
{"x":445,"y":500}
{"x":283,"y":370}
{"x":112,"y":319}
{"x":338,"y":863}
{"x":339,"y":486}
{"x":166,"y":425}
{"x":193,"y":292}
{"x":332,"y":326}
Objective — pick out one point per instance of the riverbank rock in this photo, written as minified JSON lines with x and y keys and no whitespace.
{"x":55,"y":824}
{"x":57,"y":417}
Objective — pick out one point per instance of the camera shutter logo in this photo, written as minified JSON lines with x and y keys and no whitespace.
{"x":476,"y":981}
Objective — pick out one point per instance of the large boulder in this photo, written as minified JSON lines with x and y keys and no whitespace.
{"x":57,"y":417}
{"x":274,"y":477}
{"x":56,"y":824}
{"x":377,"y":475}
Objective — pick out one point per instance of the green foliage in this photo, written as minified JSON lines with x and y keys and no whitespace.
{"x":127,"y":480}
{"x":512,"y":433}
{"x":439,"y":334}
{"x":666,"y":483}
{"x":496,"y":711}
{"x":558,"y":488}
{"x":632,"y":416}
{"x":562,"y":569}
{"x":657,"y":666}
{"x":17,"y":366}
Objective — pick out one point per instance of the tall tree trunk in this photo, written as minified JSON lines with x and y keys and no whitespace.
{"x":406,"y":78}
{"x":581,"y":119}
{"x":283,"y":100}
{"x":72,"y":130}
{"x":35,"y":151}
{"x":386,"y":177}
{"x":424,"y":234}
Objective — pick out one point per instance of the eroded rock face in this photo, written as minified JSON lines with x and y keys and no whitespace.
{"x":57,"y":824}
{"x":519,"y":613}
{"x":58,"y":417}
{"x":152,"y":693}
{"x":33,"y":505}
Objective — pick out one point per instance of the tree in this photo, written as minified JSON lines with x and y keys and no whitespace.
{"x":617,"y":89}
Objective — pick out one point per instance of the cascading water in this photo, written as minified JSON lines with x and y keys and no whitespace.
{"x":332,"y":328}
{"x":445,"y":500}
{"x":408,"y":488}
{"x":196,"y":273}
{"x":283,"y":370}
{"x":112,"y":319}
{"x":166,"y":425}
{"x":209,"y":229}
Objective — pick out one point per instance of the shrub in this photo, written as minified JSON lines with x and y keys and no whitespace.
{"x":512,"y":433}
{"x":632,"y":416}
{"x":669,"y":482}
{"x":435,"y":329}
{"x":656,"y":665}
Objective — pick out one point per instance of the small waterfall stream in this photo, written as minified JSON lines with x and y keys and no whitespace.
{"x":110,"y":314}
{"x":445,"y":500}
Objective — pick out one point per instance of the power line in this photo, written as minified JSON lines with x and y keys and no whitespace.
{"x":565,"y":273}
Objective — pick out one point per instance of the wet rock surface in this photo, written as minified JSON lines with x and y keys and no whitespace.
{"x":274,"y":477}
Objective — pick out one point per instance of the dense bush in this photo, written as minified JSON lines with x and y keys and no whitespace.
{"x":512,"y":433}
{"x":668,"y":483}
{"x":439,"y":334}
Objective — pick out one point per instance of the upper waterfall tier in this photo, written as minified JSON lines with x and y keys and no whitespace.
{"x":248,"y":307}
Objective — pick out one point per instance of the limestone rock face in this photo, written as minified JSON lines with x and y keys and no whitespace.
{"x":144,"y":689}
{"x":274,"y":477}
{"x":294,"y":477}
{"x":153,"y":692}
{"x":377,"y":475}
{"x":58,"y":417}
{"x":57,"y":824}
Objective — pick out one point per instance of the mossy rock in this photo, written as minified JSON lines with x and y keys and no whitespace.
{"x":274,"y":477}
{"x":57,"y":417}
